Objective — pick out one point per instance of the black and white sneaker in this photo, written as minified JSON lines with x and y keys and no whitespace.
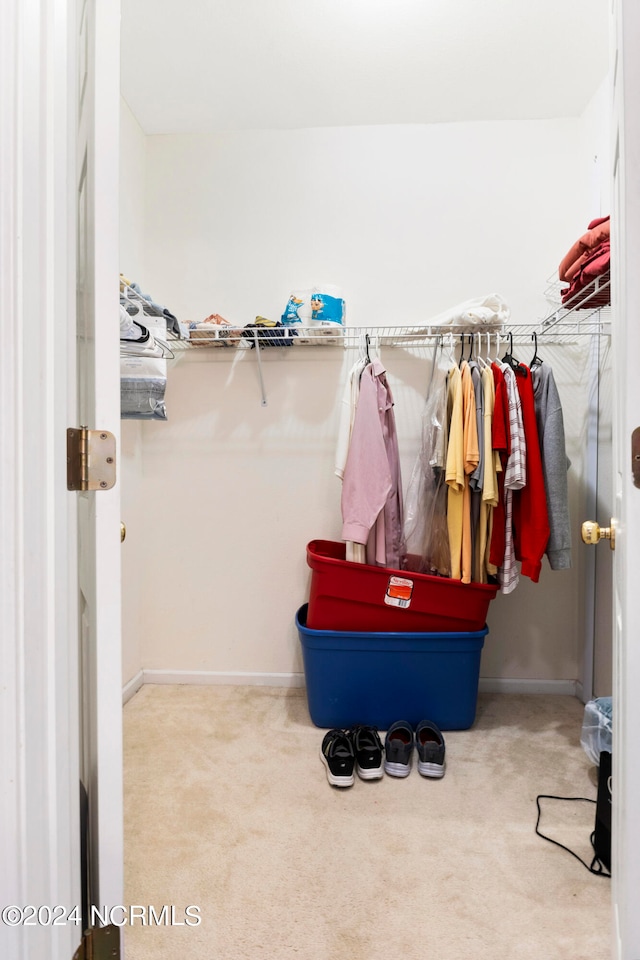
{"x":430,"y":747}
{"x":368,"y":750}
{"x":338,"y":757}
{"x":398,"y":749}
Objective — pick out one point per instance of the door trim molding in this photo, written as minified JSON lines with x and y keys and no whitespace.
{"x":38,"y":648}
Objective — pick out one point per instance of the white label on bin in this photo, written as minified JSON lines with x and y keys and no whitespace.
{"x":399,"y":592}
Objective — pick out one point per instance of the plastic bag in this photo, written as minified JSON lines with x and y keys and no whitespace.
{"x":480,"y":313}
{"x":597,"y":728}
{"x":426,"y":533}
{"x":143,"y":371}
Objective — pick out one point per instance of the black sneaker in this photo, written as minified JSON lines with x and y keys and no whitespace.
{"x":339,"y":759}
{"x":398,"y":749}
{"x":430,"y":746}
{"x":368,"y":750}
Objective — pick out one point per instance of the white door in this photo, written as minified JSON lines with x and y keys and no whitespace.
{"x":626,"y":417}
{"x":98,"y":408}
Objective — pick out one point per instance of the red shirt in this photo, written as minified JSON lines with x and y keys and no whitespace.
{"x":530,"y":518}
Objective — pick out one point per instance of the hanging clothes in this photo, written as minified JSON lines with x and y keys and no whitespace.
{"x":530,"y":522}
{"x":555,"y":463}
{"x":455,"y":475}
{"x":501,"y":443}
{"x":514,"y":479}
{"x":462,"y":460}
{"x":471,"y":459}
{"x":426,"y":535}
{"x":354,"y":552}
{"x":348,"y":414}
{"x":372,"y":509}
{"x":477,"y":477}
{"x":491,"y":466}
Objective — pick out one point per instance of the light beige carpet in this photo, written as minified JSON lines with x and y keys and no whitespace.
{"x":228,"y":808}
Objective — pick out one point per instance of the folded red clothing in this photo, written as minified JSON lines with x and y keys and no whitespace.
{"x":597,"y":233}
{"x":594,"y":265}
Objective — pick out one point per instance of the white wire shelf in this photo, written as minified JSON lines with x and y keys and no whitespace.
{"x":573,"y":325}
{"x":592,"y":303}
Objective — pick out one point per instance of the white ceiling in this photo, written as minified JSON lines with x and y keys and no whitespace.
{"x":195,"y":66}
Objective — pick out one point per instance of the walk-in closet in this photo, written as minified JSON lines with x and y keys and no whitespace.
{"x":411,"y":157}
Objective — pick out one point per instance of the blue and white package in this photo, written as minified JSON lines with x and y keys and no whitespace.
{"x":327,"y":310}
{"x":321,"y":306}
{"x":298,"y":308}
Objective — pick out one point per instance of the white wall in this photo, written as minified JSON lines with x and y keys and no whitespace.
{"x":132,"y":253}
{"x":408,"y":220}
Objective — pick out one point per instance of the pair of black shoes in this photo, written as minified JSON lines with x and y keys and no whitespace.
{"x":345,"y":751}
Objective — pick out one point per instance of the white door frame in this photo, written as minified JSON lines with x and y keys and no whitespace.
{"x":39,"y":716}
{"x":38,"y":695}
{"x":626,"y":506}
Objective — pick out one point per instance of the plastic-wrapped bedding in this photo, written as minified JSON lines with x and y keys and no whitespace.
{"x":143,"y":381}
{"x":143,"y":370}
{"x":596,"y":728}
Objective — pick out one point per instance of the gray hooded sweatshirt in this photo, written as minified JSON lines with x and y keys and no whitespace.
{"x":555,"y":464}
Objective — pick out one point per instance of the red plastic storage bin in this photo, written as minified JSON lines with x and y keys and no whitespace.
{"x":356,"y":596}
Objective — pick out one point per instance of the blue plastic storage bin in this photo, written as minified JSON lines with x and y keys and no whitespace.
{"x":377,"y":678}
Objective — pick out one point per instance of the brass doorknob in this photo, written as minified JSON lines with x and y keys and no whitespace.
{"x":123,"y":531}
{"x":593,"y":533}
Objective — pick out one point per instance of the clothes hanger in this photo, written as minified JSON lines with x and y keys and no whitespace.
{"x":536,"y":358}
{"x":450,"y":345}
{"x":511,"y":361}
{"x":508,"y":357}
{"x":470,"y":357}
{"x":482,"y":363}
{"x":364,"y":348}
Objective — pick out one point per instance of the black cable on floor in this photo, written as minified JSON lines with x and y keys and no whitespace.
{"x":596,"y":867}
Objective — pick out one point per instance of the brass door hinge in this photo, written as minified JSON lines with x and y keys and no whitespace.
{"x":100,"y":943}
{"x":91,"y":459}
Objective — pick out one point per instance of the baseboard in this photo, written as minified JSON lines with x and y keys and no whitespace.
{"x":567,"y":688}
{"x":132,"y":687}
{"x":580,"y":694}
{"x":570,"y":688}
{"x":231,"y":678}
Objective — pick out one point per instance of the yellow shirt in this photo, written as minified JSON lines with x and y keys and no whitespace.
{"x":454,"y":473}
{"x":471,"y":455}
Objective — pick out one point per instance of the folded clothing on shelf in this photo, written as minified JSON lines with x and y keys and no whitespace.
{"x":268,"y":333}
{"x":215,"y":331}
{"x":585,"y":267}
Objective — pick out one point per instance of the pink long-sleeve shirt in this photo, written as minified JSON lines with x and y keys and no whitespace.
{"x":372,"y":510}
